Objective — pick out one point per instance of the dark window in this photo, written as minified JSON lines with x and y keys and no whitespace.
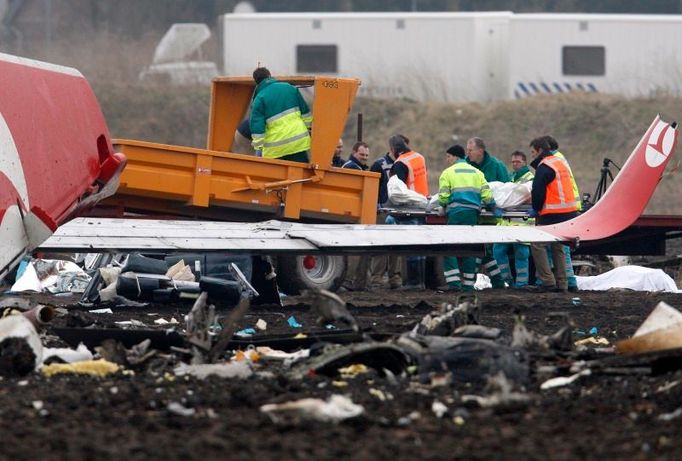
{"x":583,"y":60}
{"x":316,"y":58}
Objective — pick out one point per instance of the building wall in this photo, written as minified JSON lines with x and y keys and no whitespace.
{"x":466,"y":56}
{"x":642,"y":53}
{"x":425,"y":57}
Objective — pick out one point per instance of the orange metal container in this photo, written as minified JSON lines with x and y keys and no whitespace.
{"x":219,"y":184}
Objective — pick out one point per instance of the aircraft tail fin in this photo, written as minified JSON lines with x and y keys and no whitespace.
{"x":630,"y":191}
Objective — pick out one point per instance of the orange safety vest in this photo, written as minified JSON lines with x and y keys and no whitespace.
{"x":417,"y":179}
{"x":560,"y":197}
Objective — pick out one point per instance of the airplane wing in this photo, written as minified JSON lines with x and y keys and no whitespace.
{"x":622,"y":204}
{"x":271,"y":237}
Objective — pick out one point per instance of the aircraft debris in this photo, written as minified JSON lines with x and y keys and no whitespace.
{"x":562,"y":340}
{"x":449,"y":317}
{"x":21,"y":350}
{"x":564,"y":380}
{"x":661,"y":330}
{"x":334,"y":410}
{"x":239,"y":370}
{"x":501,"y":395}
{"x":99,"y":368}
{"x":331,"y":308}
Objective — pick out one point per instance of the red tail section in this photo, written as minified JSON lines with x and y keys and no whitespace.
{"x":630,"y":192}
{"x":55,"y":152}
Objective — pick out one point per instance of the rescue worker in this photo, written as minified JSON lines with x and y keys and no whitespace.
{"x":242,"y":139}
{"x":280,"y":119}
{"x":337,"y":159}
{"x":357,"y":265}
{"x":554,"y":148}
{"x":521,"y":174}
{"x":382,"y":264}
{"x":358,"y":157}
{"x":494,"y":170}
{"x":462,"y":191}
{"x":410,"y":168}
{"x":553,"y":201}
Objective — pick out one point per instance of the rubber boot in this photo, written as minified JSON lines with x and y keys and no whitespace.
{"x":521,"y":257}
{"x":469,"y":266}
{"x":451,"y":273}
{"x":570,"y":275}
{"x":500,"y":253}
{"x":490,"y":266}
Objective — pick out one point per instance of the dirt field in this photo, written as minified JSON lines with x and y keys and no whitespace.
{"x":127,"y":416}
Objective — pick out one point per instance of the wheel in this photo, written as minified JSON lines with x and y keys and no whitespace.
{"x":296,"y":273}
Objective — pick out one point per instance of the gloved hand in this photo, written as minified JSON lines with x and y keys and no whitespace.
{"x":498,"y":212}
{"x":532,"y":213}
{"x":259,"y":153}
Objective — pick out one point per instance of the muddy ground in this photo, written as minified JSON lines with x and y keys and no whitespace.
{"x":127,"y":416}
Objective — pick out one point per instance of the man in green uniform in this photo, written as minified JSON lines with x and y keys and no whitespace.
{"x":280,"y":119}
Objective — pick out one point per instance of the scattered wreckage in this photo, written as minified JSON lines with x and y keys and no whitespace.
{"x":492,"y":369}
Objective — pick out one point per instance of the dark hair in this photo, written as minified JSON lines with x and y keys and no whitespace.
{"x":518,"y":153}
{"x":260,"y":74}
{"x":358,"y":145}
{"x":553,"y":145}
{"x":540,"y":144}
{"x":398,"y":143}
{"x":478,"y":142}
{"x":457,"y":151}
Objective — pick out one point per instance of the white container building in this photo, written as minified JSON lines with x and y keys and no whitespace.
{"x":463,"y":56}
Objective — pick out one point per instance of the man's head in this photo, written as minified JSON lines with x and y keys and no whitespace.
{"x":361,"y":152}
{"x":539,"y":146}
{"x":339,"y":148}
{"x":398,"y":144}
{"x":475,"y":150}
{"x":260,"y":74}
{"x":454,"y":153}
{"x":551,"y":142}
{"x":518,"y":160}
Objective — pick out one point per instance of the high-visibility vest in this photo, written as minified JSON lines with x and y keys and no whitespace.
{"x":578,"y":202}
{"x":560,"y":197}
{"x":417,"y":179}
{"x":463,"y":186}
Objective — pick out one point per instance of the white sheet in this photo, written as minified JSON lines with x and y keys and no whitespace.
{"x":631,"y":277}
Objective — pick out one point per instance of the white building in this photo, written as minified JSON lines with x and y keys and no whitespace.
{"x":463,"y":56}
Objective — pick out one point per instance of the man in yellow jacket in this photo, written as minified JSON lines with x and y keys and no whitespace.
{"x":280,"y":119}
{"x":463,"y":190}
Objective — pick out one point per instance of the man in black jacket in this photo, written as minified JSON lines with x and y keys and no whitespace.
{"x":337,"y":159}
{"x":358,"y":157}
{"x":358,"y":266}
{"x":390,"y":263}
{"x":553,"y":201}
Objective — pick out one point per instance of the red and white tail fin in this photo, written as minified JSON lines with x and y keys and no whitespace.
{"x":56,"y":155}
{"x":630,"y":191}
